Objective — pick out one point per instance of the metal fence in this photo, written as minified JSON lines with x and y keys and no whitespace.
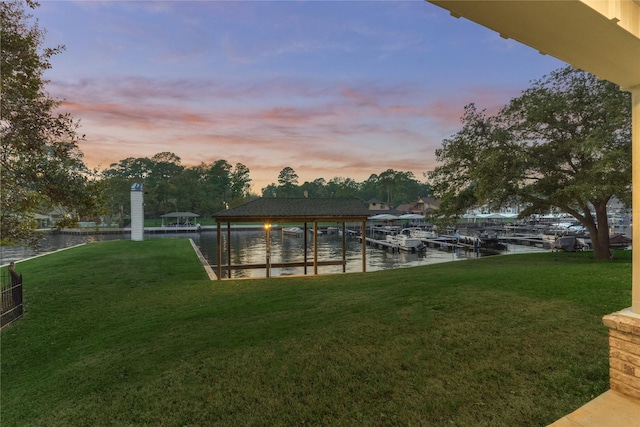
{"x":11,"y":308}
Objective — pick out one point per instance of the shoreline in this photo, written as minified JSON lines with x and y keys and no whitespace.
{"x":151,"y":230}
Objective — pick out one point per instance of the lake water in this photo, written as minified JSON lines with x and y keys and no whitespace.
{"x":249,"y":247}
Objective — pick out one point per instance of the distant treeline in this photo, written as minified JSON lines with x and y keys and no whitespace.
{"x":208,"y":188}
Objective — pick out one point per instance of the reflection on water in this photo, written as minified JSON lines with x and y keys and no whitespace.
{"x":249,"y":247}
{"x":51,"y":242}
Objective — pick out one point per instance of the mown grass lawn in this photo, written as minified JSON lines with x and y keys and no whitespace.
{"x":133,"y":334}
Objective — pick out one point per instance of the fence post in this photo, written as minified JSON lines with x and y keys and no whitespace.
{"x":11,"y":306}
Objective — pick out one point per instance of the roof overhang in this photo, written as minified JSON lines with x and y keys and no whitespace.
{"x":275,"y":219}
{"x":272,"y":210}
{"x":598,"y":36}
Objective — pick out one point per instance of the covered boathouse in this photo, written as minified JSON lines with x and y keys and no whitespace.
{"x":304,"y":211}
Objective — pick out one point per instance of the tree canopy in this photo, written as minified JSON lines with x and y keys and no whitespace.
{"x":208,"y":188}
{"x":41,"y":166}
{"x":393,"y":186}
{"x":564,"y":144}
{"x":170,"y":186}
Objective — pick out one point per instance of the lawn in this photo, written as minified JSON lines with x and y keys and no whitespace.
{"x":134,"y":334}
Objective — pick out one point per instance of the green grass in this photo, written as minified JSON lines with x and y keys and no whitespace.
{"x":133,"y":334}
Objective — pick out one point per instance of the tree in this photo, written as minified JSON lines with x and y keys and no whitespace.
{"x":343,"y":187}
{"x":117,"y":194}
{"x":270,"y":191}
{"x":288,"y":182}
{"x":164,"y":167}
{"x":41,"y":165}
{"x":240,"y":182}
{"x":161,"y":190}
{"x":399,"y":187}
{"x":220,"y":181}
{"x":314,"y":189}
{"x":156,"y":174}
{"x":369,"y":188}
{"x":192,"y":191}
{"x":387,"y":182}
{"x":564,"y":144}
{"x":134,"y":169}
{"x":203,"y":189}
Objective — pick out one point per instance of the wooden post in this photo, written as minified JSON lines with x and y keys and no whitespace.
{"x":315,"y":247}
{"x":344,"y":247}
{"x":304,"y":239}
{"x":219,"y":252}
{"x":268,"y":260}
{"x":363,"y":233}
{"x":229,"y":249}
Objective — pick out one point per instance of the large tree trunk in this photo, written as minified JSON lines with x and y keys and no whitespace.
{"x":599,"y":231}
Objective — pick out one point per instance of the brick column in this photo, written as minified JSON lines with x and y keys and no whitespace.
{"x":624,"y":352}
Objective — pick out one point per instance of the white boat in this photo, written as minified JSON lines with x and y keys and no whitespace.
{"x":297,"y":231}
{"x":406,"y":243}
{"x":420,"y":233}
{"x":292,"y":231}
{"x":333,"y":230}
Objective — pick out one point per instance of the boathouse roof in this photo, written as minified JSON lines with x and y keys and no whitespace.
{"x":295,"y":209}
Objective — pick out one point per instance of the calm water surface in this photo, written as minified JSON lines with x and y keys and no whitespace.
{"x":249,"y":247}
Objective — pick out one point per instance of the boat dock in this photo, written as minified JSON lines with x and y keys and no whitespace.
{"x":526,"y":241}
{"x":381,"y":244}
{"x":451,"y":244}
{"x":445,"y":242}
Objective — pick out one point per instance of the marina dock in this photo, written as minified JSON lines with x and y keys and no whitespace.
{"x":381,"y":244}
{"x":526,"y":241}
{"x":444,"y":242}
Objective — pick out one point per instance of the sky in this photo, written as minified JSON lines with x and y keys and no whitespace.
{"x":328,"y":88}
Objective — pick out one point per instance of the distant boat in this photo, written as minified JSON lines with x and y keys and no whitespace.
{"x":292,"y":231}
{"x":489,"y":237}
{"x":619,"y":241}
{"x":297,"y":231}
{"x":568,"y":244}
{"x":333,"y":230}
{"x":420,"y":233}
{"x":406,"y":243}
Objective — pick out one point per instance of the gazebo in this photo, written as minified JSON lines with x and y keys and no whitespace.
{"x":180,"y":219}
{"x":270,"y":211}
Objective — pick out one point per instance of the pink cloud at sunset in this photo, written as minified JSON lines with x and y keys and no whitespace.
{"x":328,"y":88}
